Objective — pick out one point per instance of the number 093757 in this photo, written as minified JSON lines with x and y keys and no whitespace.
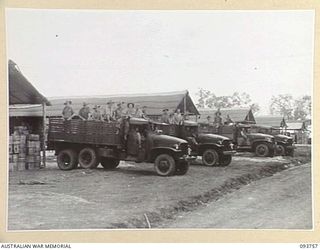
{"x":308,"y":246}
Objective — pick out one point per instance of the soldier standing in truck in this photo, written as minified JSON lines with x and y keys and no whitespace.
{"x":84,"y":111}
{"x":67,"y":111}
{"x":165,"y":116}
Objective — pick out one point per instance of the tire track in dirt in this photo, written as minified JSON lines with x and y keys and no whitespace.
{"x":154,"y":219}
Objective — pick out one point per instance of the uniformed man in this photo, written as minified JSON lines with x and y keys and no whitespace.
{"x":84,"y":111}
{"x":144,"y":113}
{"x":97,"y":115}
{"x":165,"y":116}
{"x":131,"y":112}
{"x":109,"y":112}
{"x":177,"y":117}
{"x":139,"y":112}
{"x":67,"y":112}
{"x":228,"y":120}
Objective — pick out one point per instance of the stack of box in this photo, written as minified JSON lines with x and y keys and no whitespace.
{"x":33,"y":151}
{"x":24,"y":150}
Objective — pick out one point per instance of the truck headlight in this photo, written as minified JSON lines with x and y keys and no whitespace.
{"x":176,"y":146}
{"x":269,"y":140}
{"x":219,"y":142}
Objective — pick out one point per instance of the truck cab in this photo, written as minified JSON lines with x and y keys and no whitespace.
{"x":214,"y":149}
{"x":245,"y":140}
{"x":284,"y":143}
{"x":88,"y":143}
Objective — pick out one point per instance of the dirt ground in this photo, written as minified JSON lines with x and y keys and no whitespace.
{"x":284,"y":199}
{"x":132,"y":196}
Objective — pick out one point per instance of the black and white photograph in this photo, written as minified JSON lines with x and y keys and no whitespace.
{"x":159,"y":119}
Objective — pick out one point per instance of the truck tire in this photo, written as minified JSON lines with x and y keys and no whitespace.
{"x":280,"y":150}
{"x":67,"y":159}
{"x":225,"y":160}
{"x":210,"y":157}
{"x":262,"y":150}
{"x":88,"y":158}
{"x":165,"y":165}
{"x":109,"y":163}
{"x":182,"y":168}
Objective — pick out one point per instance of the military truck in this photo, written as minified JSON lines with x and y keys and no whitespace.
{"x":284,"y":143}
{"x":214,"y":149}
{"x":89,"y":143}
{"x":262,"y":145}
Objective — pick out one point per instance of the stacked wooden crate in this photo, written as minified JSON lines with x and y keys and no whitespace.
{"x":33,"y":152}
{"x":24,"y":150}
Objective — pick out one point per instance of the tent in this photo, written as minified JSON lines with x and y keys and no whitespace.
{"x":240,"y":115}
{"x":154,"y":103}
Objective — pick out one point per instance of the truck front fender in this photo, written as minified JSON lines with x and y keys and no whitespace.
{"x":203,"y":147}
{"x":175,"y":153}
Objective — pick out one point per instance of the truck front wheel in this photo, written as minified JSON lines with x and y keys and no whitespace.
{"x":182,"y":168}
{"x":225,"y":160}
{"x":67,"y":159}
{"x":88,"y":158}
{"x":165,"y":165}
{"x":210,"y":157}
{"x":280,"y":150}
{"x":262,"y":150}
{"x":109,"y":163}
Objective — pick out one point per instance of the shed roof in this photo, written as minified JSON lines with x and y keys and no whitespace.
{"x":21,"y":91}
{"x":295,"y":126}
{"x":236,"y":114}
{"x":271,"y":120}
{"x":154,"y":103}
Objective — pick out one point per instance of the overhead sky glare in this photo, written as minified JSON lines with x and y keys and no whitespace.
{"x":76,"y":52}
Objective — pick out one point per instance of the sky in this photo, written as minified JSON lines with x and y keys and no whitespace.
{"x":83,"y":53}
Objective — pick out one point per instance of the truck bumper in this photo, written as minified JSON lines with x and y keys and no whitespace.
{"x":187,"y":158}
{"x":231,"y":152}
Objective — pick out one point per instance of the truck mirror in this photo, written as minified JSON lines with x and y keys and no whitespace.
{"x":159,"y":132}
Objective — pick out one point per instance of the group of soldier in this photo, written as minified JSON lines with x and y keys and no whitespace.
{"x":110,"y":112}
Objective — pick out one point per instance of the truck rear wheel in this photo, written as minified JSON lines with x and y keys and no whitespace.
{"x":262,"y":150}
{"x":225,"y":160}
{"x":165,"y":165}
{"x":109,"y":163}
{"x":210,"y":157}
{"x":88,"y":158}
{"x":182,"y":168}
{"x":280,"y":150}
{"x":67,"y":159}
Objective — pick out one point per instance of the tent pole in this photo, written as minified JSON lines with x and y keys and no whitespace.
{"x":44,"y":134}
{"x":185,"y":105}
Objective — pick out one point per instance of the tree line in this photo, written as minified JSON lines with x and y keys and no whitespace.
{"x":283,"y":104}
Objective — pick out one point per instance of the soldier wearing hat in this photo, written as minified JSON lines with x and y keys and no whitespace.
{"x":209,"y":121}
{"x":120,"y":111}
{"x":144,"y":113}
{"x":130,"y":110}
{"x":84,"y":111}
{"x":177,"y":117}
{"x":96,"y":114}
{"x":109,"y":112}
{"x":67,"y":112}
{"x":139,"y":112}
{"x":165,"y":116}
